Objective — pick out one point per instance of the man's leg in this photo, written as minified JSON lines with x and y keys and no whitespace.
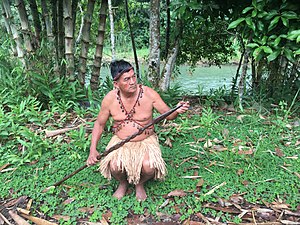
{"x":146,"y":174}
{"x":121,"y":177}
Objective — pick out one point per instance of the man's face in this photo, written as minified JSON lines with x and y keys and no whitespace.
{"x":127,"y":82}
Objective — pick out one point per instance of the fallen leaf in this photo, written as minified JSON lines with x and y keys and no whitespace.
{"x":200,"y":183}
{"x":247,"y":152}
{"x":86,"y":210}
{"x":68,"y":201}
{"x":240,"y":118}
{"x":4,"y":166}
{"x":207,"y":144}
{"x":279,"y":152}
{"x":168,"y":142}
{"x":178,"y":193}
{"x":61,"y":217}
{"x":240,"y":172}
{"x":296,"y":144}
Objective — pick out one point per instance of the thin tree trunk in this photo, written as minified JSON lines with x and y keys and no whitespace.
{"x":8,"y":28}
{"x":112,"y":30}
{"x":169,"y":67}
{"x":154,"y":55}
{"x":242,"y":82}
{"x":99,"y":46}
{"x":69,"y":39}
{"x":81,"y":26}
{"x":74,"y":13}
{"x":85,"y":42}
{"x":24,"y":24}
{"x":46,"y":16}
{"x":137,"y":70}
{"x":168,"y":27}
{"x":36,"y":20}
{"x":61,"y":37}
{"x":14,"y":31}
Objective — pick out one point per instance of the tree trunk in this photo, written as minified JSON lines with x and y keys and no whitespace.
{"x":60,"y":37}
{"x":8,"y":28}
{"x":86,"y":30}
{"x":74,"y":14}
{"x":137,"y":71}
{"x":78,"y":39}
{"x":36,"y":21}
{"x":168,"y":28}
{"x":169,"y":67}
{"x":46,"y":17}
{"x":154,"y":55}
{"x":171,"y":57}
{"x":14,"y":31}
{"x":242,"y":82}
{"x":112,"y":30}
{"x":24,"y":24}
{"x":69,"y":39}
{"x":99,"y":46}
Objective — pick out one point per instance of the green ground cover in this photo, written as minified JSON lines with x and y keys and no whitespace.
{"x":212,"y":156}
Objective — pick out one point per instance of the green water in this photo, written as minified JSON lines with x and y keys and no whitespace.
{"x":208,"y":78}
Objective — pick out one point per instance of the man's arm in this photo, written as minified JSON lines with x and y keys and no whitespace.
{"x":97,"y":131}
{"x":162,"y":107}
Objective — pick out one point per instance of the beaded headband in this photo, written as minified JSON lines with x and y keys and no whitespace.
{"x":122,"y":72}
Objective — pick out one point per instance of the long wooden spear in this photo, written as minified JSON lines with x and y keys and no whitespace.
{"x":116,"y":146}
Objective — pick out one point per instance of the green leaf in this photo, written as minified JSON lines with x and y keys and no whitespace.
{"x":256,"y":52}
{"x":288,"y":54}
{"x":274,"y":55}
{"x":254,"y":13}
{"x":252,"y":45}
{"x":277,"y":41}
{"x":285,"y":21}
{"x":247,"y":9}
{"x":298,"y":39}
{"x":267,"y":49}
{"x":235,"y":23}
{"x":289,"y":15}
{"x":297,"y":52}
{"x":250,"y":23}
{"x":273,"y":23}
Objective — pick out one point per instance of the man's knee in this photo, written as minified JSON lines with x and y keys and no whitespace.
{"x":147,"y":169}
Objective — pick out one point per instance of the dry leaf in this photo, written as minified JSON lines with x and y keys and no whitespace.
{"x":296,"y":144}
{"x":279,"y":152}
{"x":207,"y":144}
{"x":240,"y":172}
{"x":4,"y":166}
{"x":248,"y":152}
{"x":240,"y":117}
{"x":68,"y":201}
{"x":168,"y":142}
{"x":178,"y":193}
{"x":86,"y":210}
{"x":58,"y":217}
{"x":200,"y":183}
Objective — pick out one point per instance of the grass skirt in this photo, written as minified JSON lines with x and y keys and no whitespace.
{"x":129,"y":158}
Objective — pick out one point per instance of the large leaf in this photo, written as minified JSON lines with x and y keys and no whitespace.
{"x":274,"y":55}
{"x":247,"y":9}
{"x":235,"y":23}
{"x":273,"y":23}
{"x":289,"y":15}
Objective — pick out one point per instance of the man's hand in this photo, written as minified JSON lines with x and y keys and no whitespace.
{"x":185,"y":106}
{"x":92,"y":159}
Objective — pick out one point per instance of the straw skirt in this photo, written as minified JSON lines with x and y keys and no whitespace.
{"x":129,"y":158}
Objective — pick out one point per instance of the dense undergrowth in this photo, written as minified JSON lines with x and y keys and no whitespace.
{"x":213,"y":152}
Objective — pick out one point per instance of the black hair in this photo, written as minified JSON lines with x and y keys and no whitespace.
{"x":118,"y":67}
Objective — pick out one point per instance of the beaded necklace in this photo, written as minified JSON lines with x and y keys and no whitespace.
{"x":129,"y":115}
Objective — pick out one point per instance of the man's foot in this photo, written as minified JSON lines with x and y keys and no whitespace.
{"x":121,"y":191}
{"x":140,"y":192}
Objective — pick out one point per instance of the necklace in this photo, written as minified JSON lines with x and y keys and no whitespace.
{"x":129,"y":115}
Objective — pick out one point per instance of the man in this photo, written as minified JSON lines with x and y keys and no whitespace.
{"x":131,"y":106}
